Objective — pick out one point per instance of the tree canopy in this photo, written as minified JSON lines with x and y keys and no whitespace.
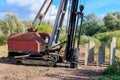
{"x":11,"y":24}
{"x":92,"y":24}
{"x":112,"y":21}
{"x":45,"y":27}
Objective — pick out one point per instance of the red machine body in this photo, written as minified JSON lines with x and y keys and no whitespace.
{"x":30,"y":42}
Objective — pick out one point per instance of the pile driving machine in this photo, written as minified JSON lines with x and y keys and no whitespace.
{"x":36,"y":48}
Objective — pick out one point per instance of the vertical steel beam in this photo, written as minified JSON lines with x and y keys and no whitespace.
{"x":71,"y":29}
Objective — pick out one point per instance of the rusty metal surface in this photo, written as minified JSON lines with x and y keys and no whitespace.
{"x":30,"y":42}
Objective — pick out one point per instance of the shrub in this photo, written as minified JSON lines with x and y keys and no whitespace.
{"x":111,"y":73}
{"x":85,"y":39}
{"x":113,"y":69}
{"x":3,"y":40}
{"x":44,"y":27}
{"x":62,"y":38}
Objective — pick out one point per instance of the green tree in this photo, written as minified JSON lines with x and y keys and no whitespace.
{"x":10,"y":21}
{"x":92,"y":25}
{"x":19,"y":26}
{"x":26,"y":24}
{"x":11,"y":24}
{"x":5,"y":28}
{"x":1,"y":23}
{"x":112,"y":21}
{"x":45,"y":27}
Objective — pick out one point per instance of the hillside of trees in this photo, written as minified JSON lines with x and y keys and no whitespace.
{"x":92,"y":25}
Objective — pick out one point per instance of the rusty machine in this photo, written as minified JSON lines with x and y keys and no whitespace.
{"x":36,"y":48}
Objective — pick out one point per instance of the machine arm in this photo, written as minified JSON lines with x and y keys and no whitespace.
{"x":58,"y":22}
{"x":39,"y":15}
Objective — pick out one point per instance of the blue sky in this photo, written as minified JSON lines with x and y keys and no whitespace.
{"x":27,"y":9}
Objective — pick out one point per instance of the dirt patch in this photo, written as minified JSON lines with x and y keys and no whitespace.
{"x":22,"y":72}
{"x":10,"y":71}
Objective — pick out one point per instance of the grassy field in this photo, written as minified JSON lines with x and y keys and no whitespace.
{"x":107,"y":77}
{"x":107,"y":53}
{"x":112,"y":72}
{"x":3,"y":51}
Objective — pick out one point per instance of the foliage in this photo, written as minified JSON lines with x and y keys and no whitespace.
{"x":111,"y":73}
{"x":85,"y":39}
{"x":106,"y":37}
{"x":112,"y":21}
{"x":26,"y":24}
{"x":107,"y":77}
{"x":113,"y":69}
{"x":3,"y":40}
{"x":45,"y":27}
{"x":63,"y":35}
{"x":11,"y":24}
{"x":92,"y":25}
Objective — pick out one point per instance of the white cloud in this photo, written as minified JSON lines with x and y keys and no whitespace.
{"x":34,"y":6}
{"x":23,"y":2}
{"x":51,"y":14}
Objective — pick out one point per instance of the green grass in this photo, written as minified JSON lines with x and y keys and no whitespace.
{"x":107,"y":53}
{"x":112,"y":72}
{"x":85,"y":39}
{"x":3,"y":51}
{"x":107,"y":77}
{"x":106,"y":37}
